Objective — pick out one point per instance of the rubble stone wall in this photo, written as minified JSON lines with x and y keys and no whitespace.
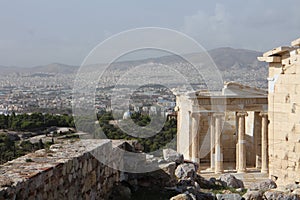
{"x":65,"y":171}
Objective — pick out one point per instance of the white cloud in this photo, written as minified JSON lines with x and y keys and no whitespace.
{"x":209,"y":29}
{"x":253,"y":25}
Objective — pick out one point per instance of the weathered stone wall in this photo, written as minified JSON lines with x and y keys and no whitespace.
{"x":284,"y":112}
{"x":65,"y":171}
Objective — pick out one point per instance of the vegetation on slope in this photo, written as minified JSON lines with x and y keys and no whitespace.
{"x":11,"y":148}
{"x":34,"y":121}
{"x":165,"y":138}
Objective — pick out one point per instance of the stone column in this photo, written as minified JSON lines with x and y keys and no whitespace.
{"x":257,"y":139}
{"x":190,"y":136}
{"x":264,"y":142}
{"x":237,"y":155}
{"x":218,"y":144}
{"x":241,"y":142}
{"x":195,"y":137}
{"x":237,"y":142}
{"x":212,"y":142}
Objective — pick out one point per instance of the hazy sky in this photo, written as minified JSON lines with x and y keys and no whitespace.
{"x":37,"y":32}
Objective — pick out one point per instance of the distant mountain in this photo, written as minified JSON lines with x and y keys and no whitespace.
{"x":225,"y":58}
{"x":55,"y":68}
{"x":6,"y":70}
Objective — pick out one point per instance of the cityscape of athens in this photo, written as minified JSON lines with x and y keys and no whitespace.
{"x":131,"y":100}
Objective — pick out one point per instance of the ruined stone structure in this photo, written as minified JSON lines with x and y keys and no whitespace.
{"x":224,"y":127}
{"x":284,"y":111}
{"x":66,"y":171}
{"x":86,"y":169}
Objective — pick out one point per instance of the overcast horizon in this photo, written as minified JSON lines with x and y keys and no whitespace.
{"x":37,"y":32}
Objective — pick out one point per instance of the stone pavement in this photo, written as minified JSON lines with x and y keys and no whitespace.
{"x":252,"y":175}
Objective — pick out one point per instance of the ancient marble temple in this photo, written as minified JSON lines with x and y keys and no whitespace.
{"x":247,"y":127}
{"x":230,"y":126}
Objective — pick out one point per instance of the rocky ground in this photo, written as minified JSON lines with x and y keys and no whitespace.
{"x":178,"y":180}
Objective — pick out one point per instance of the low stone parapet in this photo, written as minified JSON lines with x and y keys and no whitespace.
{"x":65,"y":171}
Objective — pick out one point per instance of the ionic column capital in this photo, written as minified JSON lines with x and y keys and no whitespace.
{"x":242,"y":114}
{"x":263,"y":114}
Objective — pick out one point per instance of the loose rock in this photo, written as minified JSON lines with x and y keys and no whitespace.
{"x":203,"y":183}
{"x":270,"y":195}
{"x":228,"y":197}
{"x":231,"y":181}
{"x":185,"y":170}
{"x":181,"y":197}
{"x":171,"y":155}
{"x":253,"y":195}
{"x":263,"y":185}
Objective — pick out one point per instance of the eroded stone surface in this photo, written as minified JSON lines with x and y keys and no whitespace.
{"x":228,"y":197}
{"x":171,"y":155}
{"x":269,"y":195}
{"x":253,"y":195}
{"x":263,"y":185}
{"x":181,"y":197}
{"x":65,"y":171}
{"x":185,"y":170}
{"x":284,"y":112}
{"x":231,"y":181}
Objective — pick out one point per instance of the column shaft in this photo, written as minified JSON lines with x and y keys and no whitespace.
{"x":212,"y":142}
{"x":195,"y":137}
{"x":237,"y":142}
{"x":190,"y":137}
{"x":242,"y":142}
{"x":218,"y":145}
{"x":257,"y":139}
{"x":264,"y":143}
